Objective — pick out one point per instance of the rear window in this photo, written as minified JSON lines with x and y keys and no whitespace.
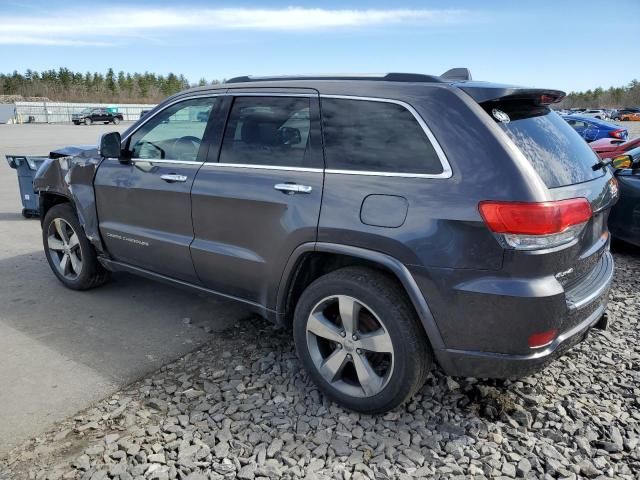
{"x":558,"y":154}
{"x":374,"y":136}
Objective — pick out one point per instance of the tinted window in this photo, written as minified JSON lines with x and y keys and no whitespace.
{"x":267,"y":131}
{"x":375,"y":136}
{"x":558,"y":154}
{"x":175,"y":133}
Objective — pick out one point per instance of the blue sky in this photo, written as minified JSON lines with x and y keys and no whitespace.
{"x":570,"y":45}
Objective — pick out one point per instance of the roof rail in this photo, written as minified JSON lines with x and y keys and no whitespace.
{"x":389,"y":77}
{"x":457,"y":74}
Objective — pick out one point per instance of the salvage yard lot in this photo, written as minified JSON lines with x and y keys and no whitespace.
{"x":240,"y":404}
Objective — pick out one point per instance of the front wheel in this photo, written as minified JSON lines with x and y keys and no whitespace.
{"x":70,"y":255}
{"x":88,"y":121}
{"x":359,"y":339}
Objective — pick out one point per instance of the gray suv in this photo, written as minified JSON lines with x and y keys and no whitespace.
{"x":391,"y":222}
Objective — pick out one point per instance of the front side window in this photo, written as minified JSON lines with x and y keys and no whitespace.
{"x":363,"y":135}
{"x":175,"y":133}
{"x":271,"y":131}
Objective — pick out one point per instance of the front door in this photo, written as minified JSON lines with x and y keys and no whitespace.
{"x":144,"y":205}
{"x":261,"y":198}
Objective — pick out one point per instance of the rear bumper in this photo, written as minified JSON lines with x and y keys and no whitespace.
{"x":491,"y":338}
{"x":495,"y":365}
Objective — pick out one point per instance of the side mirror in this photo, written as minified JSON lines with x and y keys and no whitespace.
{"x":290,"y":136}
{"x":110,"y":145}
{"x":622,"y":162}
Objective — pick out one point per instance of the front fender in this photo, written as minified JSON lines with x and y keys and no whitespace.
{"x":70,"y":173}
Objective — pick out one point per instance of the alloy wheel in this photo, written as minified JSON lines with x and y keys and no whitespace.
{"x":350,"y":346}
{"x":64,"y":247}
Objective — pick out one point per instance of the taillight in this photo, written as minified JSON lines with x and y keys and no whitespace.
{"x":620,"y":133}
{"x":531,"y":226}
{"x":542,"y":339}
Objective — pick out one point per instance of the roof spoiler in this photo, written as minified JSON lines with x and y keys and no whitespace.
{"x":457,"y":74}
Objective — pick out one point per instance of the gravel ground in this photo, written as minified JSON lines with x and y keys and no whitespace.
{"x":241,"y":407}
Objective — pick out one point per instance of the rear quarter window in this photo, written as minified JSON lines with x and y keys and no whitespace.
{"x":556,"y":151}
{"x":375,"y":136}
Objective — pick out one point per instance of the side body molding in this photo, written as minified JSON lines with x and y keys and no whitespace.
{"x":391,"y":263}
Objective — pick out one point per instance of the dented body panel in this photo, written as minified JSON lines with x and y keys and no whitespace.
{"x":69,"y":172}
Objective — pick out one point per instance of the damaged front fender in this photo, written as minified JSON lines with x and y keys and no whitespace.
{"x":70,"y":172}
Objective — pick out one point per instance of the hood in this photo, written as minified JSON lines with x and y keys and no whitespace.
{"x":82,"y":151}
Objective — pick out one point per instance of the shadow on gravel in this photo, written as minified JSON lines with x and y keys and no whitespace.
{"x":241,"y":407}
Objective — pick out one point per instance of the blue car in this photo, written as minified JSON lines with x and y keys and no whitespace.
{"x":592,"y":129}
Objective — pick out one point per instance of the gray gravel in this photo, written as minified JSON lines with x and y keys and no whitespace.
{"x":241,"y":407}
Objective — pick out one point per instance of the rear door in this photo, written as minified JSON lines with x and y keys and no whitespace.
{"x":144,"y":204}
{"x":258,"y":198}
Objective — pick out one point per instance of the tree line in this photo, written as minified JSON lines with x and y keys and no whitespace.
{"x":614,"y":97}
{"x":65,"y":85}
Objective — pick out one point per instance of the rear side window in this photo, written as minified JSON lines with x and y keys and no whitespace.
{"x":271,"y":131}
{"x":557,"y":152}
{"x":364,"y":135}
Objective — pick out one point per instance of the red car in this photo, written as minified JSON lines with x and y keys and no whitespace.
{"x":611,"y":147}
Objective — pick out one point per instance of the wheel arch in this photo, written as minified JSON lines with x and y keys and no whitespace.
{"x":48,"y":200}
{"x":311,"y":260}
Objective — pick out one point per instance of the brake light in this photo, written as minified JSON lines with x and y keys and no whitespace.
{"x":530,"y":226}
{"x":620,"y":133}
{"x":547,"y":99}
{"x":542,"y":339}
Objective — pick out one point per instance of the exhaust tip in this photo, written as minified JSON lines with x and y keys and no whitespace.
{"x":603,"y":323}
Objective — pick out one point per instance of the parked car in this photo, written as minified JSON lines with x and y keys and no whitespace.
{"x":617,"y":115}
{"x":386,"y":235}
{"x":630,"y":117}
{"x":95,"y":115}
{"x":594,"y":113}
{"x":592,"y":129}
{"x":624,"y":219}
{"x":612,"y":147}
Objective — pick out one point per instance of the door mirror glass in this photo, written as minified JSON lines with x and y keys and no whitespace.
{"x":290,"y":136}
{"x":110,"y":145}
{"x":621,"y":162}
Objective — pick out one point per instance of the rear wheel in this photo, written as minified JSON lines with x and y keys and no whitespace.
{"x":116,"y":120}
{"x":359,"y":338}
{"x":70,"y":255}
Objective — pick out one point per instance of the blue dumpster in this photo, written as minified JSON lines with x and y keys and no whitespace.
{"x":27,"y":166}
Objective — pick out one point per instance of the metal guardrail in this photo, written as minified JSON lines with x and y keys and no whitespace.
{"x":58,"y":112}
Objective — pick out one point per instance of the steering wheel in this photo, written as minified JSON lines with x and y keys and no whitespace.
{"x":186,"y":148}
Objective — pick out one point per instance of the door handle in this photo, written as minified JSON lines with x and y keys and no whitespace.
{"x":292,"y":188}
{"x":173,"y":178}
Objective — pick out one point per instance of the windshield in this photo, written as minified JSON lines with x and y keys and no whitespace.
{"x":86,"y":110}
{"x":557,"y":153}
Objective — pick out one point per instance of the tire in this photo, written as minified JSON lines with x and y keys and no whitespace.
{"x":384,"y":312}
{"x":116,"y":120}
{"x":81,"y":270}
{"x":88,"y":121}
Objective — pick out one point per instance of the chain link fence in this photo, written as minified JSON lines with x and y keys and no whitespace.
{"x":61,"y":112}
